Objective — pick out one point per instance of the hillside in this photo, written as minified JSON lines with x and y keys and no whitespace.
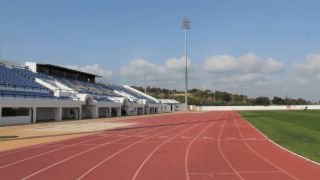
{"x":212,"y":98}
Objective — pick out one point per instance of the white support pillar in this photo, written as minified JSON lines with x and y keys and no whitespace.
{"x":119,"y":111}
{"x":34,"y":114}
{"x":0,"y":115}
{"x":58,"y":114}
{"x":80,"y":112}
{"x":95,"y":112}
{"x":107,"y":112}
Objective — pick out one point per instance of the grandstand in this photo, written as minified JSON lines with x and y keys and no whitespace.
{"x":38,"y":92}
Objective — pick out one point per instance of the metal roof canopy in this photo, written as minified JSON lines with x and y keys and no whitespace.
{"x":66,"y":69}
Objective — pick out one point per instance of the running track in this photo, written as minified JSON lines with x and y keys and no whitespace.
{"x":213,"y":145}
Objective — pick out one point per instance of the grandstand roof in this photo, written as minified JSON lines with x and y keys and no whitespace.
{"x":169,"y":101}
{"x":66,"y":69}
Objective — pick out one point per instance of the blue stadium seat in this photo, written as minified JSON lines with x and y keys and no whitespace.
{"x":87,"y":87}
{"x":16,"y":77}
{"x":23,"y":84}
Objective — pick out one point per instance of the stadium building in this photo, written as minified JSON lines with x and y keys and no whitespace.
{"x":40,"y":92}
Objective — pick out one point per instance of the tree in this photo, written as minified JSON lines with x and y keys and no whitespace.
{"x":223,"y":96}
{"x":208,"y":98}
{"x":278,"y":101}
{"x":262,"y":101}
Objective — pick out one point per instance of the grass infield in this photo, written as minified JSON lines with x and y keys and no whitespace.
{"x":298,"y":131}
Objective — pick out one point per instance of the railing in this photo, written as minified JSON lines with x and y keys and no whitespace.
{"x":20,"y":86}
{"x":29,"y":96}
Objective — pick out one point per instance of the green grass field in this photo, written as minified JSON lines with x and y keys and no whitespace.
{"x":298,"y":131}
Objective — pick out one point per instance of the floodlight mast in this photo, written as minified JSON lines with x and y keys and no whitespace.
{"x":186,"y":25}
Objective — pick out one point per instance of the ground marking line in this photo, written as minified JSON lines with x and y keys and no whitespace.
{"x":158,"y":147}
{"x":67,"y":146}
{"x":242,"y":172}
{"x":20,"y":149}
{"x":99,"y":133}
{"x":188,"y":149}
{"x":263,"y":171}
{"x":223,"y":156}
{"x":14,"y":150}
{"x":48,"y":152}
{"x":125,"y":148}
{"x":222,"y":173}
{"x":259,"y":155}
{"x":153,"y":142}
{"x":66,"y":159}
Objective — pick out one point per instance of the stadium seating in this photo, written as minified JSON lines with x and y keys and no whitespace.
{"x":29,"y":74}
{"x":87,"y":87}
{"x":17,"y":78}
{"x":20,"y":78}
{"x":22,"y":84}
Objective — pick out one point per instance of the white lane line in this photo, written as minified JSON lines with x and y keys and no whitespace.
{"x":260,"y":172}
{"x":213,"y":173}
{"x":123,"y":133}
{"x":48,"y":152}
{"x":11,"y":151}
{"x":188,"y":149}
{"x":259,"y":155}
{"x":20,"y":149}
{"x":88,"y":150}
{"x":224,"y":157}
{"x":123,"y":149}
{"x":157,"y":148}
{"x":242,"y":172}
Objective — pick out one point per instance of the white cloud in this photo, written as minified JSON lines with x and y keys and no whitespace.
{"x":93,"y":69}
{"x":169,"y":74}
{"x":220,"y":63}
{"x":178,"y":64}
{"x":249,"y":63}
{"x":311,"y":65}
{"x":218,"y":72}
{"x":141,"y":67}
{"x":249,"y":74}
{"x":272,"y":66}
{"x":309,"y":70}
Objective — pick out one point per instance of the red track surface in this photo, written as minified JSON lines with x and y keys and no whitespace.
{"x":213,"y":145}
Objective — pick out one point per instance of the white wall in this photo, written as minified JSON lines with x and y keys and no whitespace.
{"x":32,"y":66}
{"x":242,"y":108}
{"x":30,"y":102}
{"x":15,"y":120}
{"x":45,"y":114}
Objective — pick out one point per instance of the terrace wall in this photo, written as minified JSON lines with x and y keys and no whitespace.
{"x":257,"y":108}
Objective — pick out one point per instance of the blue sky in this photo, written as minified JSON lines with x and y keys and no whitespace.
{"x":113,"y":34}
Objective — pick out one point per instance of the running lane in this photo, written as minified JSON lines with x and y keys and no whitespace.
{"x":211,"y":145}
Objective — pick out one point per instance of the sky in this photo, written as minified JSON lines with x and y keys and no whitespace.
{"x":257,"y":48}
